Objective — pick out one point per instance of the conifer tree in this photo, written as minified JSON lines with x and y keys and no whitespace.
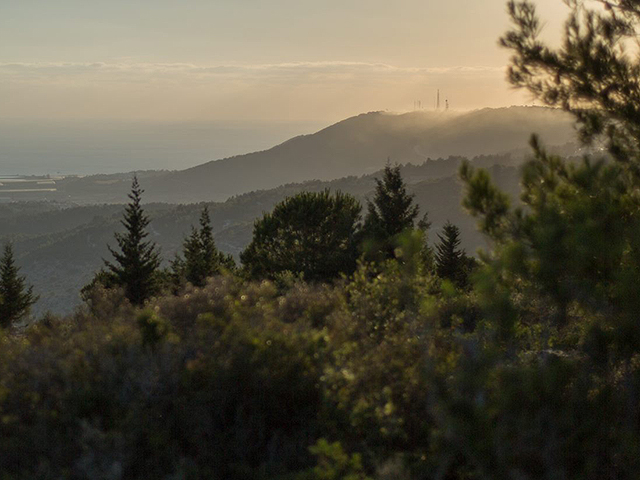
{"x":450,"y":259}
{"x":390,"y":213}
{"x":15,"y":297}
{"x":311,"y":234}
{"x":137,"y":260}
{"x":201,"y":257}
{"x":193,"y":265}
{"x":564,"y":265}
{"x":427,"y":253}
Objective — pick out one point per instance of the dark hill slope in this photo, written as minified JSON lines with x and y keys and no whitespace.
{"x":354,"y":146}
{"x":363,"y":144}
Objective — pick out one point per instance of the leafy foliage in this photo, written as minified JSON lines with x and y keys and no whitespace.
{"x":531,"y":373}
{"x":546,"y":387}
{"x":232,"y":380}
{"x":311,"y":234}
{"x":334,"y":463}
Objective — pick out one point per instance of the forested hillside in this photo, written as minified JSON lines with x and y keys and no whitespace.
{"x":60,"y":248}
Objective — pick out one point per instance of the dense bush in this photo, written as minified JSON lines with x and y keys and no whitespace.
{"x":311,"y":234}
{"x":221,"y":389}
{"x":393,"y":373}
{"x":233,"y":380}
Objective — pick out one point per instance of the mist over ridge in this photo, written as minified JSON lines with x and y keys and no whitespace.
{"x":362,"y":144}
{"x":354,"y":146}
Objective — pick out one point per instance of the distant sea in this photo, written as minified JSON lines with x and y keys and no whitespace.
{"x":91,"y":147}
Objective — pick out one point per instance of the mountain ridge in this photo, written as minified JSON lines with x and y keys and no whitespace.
{"x":364,"y":143}
{"x":354,"y":146}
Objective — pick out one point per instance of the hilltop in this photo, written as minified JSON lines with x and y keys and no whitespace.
{"x":355,"y":146}
{"x":364,"y":143}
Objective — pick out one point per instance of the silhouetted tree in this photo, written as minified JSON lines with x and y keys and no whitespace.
{"x":391,"y":212}
{"x":451,"y":261}
{"x":102,"y":278}
{"x":427,"y":254}
{"x":201,"y":257}
{"x":310,"y":234}
{"x":137,"y":260}
{"x":15,"y":297}
{"x":590,"y":74}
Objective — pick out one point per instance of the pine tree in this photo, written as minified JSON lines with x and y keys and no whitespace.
{"x":201,"y":257}
{"x":592,"y":73}
{"x":210,"y":253}
{"x":311,"y":234}
{"x":137,"y":260}
{"x":194,"y":265}
{"x":390,"y":213}
{"x":451,"y":261}
{"x":176,"y":273}
{"x":15,"y":297}
{"x":427,"y":254}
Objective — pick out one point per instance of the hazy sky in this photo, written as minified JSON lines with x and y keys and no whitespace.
{"x":250,"y":59}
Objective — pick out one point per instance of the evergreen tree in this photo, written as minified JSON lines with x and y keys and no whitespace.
{"x":592,"y":73}
{"x":176,"y":274}
{"x":559,"y":293}
{"x":15,"y":297}
{"x":451,"y":261}
{"x":310,"y":234}
{"x":210,"y":254}
{"x":195,"y":264}
{"x":201,"y":257}
{"x":390,"y":213}
{"x":137,"y":260}
{"x":427,"y":254}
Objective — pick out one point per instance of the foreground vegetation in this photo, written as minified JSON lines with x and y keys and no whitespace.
{"x":407,"y":363}
{"x":394,"y":373}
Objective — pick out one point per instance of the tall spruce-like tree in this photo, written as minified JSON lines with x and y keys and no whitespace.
{"x":136,"y":260}
{"x":450,"y":258}
{"x":194,"y":266}
{"x":391,"y":212}
{"x":201,"y":257}
{"x":16,"y":298}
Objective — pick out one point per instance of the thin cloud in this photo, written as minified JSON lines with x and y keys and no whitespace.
{"x":287,"y":90}
{"x":123,"y":72}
